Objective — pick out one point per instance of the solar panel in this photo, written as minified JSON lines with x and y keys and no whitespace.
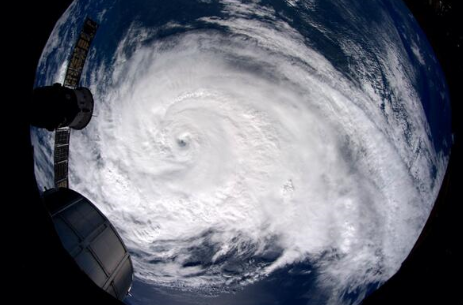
{"x":61,"y":154}
{"x":61,"y":157}
{"x":62,"y":136}
{"x":79,"y":55}
{"x":71,"y":80}
{"x":61,"y":174}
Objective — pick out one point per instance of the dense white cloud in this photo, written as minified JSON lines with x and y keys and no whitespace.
{"x":252,"y":144}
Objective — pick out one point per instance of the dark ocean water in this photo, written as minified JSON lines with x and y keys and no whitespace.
{"x":351,"y":20}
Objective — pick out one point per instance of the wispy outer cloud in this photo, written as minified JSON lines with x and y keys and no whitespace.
{"x":251,"y":144}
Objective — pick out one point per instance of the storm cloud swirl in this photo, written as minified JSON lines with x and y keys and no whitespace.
{"x":222,"y":156}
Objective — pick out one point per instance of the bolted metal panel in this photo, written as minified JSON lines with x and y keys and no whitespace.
{"x":68,"y":237}
{"x":91,"y":240}
{"x":88,"y":263}
{"x":83,"y":218}
{"x":108,"y":245}
{"x":122,"y":280}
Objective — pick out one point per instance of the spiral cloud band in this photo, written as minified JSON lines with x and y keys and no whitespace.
{"x":222,"y":157}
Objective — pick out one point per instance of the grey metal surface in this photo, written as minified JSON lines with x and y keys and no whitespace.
{"x":91,"y":240}
{"x":85,"y":103}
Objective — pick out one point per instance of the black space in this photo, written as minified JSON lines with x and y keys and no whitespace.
{"x":39,"y":269}
{"x":432,"y":272}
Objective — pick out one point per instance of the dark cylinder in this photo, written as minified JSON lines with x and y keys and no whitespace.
{"x":56,"y":106}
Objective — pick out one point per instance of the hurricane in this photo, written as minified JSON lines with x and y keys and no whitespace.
{"x":230,"y":147}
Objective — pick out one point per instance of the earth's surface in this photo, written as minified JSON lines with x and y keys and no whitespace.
{"x":256,"y":152}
